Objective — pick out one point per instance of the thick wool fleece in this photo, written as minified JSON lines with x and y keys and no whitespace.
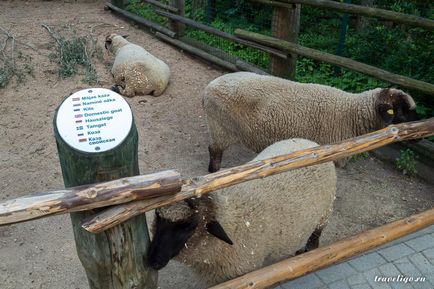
{"x":267,"y":219}
{"x":137,"y":71}
{"x":258,"y":110}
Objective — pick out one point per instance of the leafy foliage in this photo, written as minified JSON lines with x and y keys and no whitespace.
{"x":357,"y":157}
{"x":76,"y":52}
{"x":14,"y":67}
{"x":401,"y":49}
{"x":406,"y":162}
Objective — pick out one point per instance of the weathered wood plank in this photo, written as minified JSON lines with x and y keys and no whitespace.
{"x":337,"y":60}
{"x":89,"y":197}
{"x":358,"y":10}
{"x":221,"y":34}
{"x":197,"y":52}
{"x":198,"y":186}
{"x":177,"y":26}
{"x":162,"y":5}
{"x":285,"y":25}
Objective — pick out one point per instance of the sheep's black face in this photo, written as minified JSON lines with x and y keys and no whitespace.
{"x":396,"y":107}
{"x":169,"y":239}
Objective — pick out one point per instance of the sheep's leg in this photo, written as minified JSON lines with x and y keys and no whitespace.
{"x":221,"y":138}
{"x":215,"y":158}
{"x":130,"y":80}
{"x":120,"y":83}
{"x":312,"y":243}
{"x":160,"y":87}
{"x":116,"y":88}
{"x":128,"y":91}
{"x":158,"y":91}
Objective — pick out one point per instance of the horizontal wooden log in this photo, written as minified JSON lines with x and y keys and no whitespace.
{"x":198,"y":52}
{"x":197,"y":48}
{"x":90,"y":197}
{"x":140,"y":20}
{"x":358,"y":10}
{"x":245,"y":66}
{"x":198,"y":186}
{"x":162,"y":6}
{"x":329,"y":255}
{"x":337,"y":60}
{"x":221,"y":34}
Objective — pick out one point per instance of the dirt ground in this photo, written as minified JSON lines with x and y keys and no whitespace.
{"x":173,"y":134}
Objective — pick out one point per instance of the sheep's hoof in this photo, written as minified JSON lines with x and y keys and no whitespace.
{"x":301,"y":251}
{"x":115,"y":88}
{"x":211,"y":168}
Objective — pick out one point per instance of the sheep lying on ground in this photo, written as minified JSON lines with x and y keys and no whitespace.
{"x":258,"y":110}
{"x":136,"y":71}
{"x":251,"y":224}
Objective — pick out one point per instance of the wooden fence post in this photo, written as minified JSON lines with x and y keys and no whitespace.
{"x":97,"y":141}
{"x":177,"y":26}
{"x":285,"y":26}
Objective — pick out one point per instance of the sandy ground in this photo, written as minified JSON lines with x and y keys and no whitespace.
{"x":173,"y":134}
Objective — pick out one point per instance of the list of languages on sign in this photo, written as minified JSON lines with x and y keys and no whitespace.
{"x":94,"y":120}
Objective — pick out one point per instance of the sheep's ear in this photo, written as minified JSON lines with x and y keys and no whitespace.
{"x":215,"y":229}
{"x":125,"y":36}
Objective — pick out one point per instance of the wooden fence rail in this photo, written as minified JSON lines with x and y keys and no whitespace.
{"x":337,"y":60}
{"x":278,"y":48}
{"x":198,"y":186}
{"x":89,"y":197}
{"x":163,"y":188}
{"x":162,"y":6}
{"x":141,"y":20}
{"x":329,"y":255}
{"x":359,"y":10}
{"x":220,"y":33}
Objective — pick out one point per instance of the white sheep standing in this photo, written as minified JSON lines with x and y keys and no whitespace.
{"x":260,"y":221}
{"x":136,"y":71}
{"x":258,"y":110}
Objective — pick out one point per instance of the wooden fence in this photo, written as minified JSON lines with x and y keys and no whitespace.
{"x":282,"y":45}
{"x":113,"y":259}
{"x":133,"y":196}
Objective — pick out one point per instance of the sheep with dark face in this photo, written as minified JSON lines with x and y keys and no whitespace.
{"x":247,"y":226}
{"x":135,"y":70}
{"x":258,"y":110}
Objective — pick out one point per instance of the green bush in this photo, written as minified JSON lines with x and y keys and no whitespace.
{"x":75,"y":53}
{"x":406,"y":162}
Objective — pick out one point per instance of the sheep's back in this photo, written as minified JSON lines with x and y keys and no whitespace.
{"x":266,"y":109}
{"x":267,"y":219}
{"x":132,"y":56}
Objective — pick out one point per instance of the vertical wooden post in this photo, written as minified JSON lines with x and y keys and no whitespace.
{"x":285,"y":26}
{"x":342,"y":37}
{"x":176,"y":26}
{"x":116,"y":258}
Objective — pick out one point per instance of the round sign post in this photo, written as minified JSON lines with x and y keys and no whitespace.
{"x":97,"y":141}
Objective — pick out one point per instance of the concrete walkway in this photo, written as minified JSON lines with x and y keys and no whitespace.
{"x":405,"y":261}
